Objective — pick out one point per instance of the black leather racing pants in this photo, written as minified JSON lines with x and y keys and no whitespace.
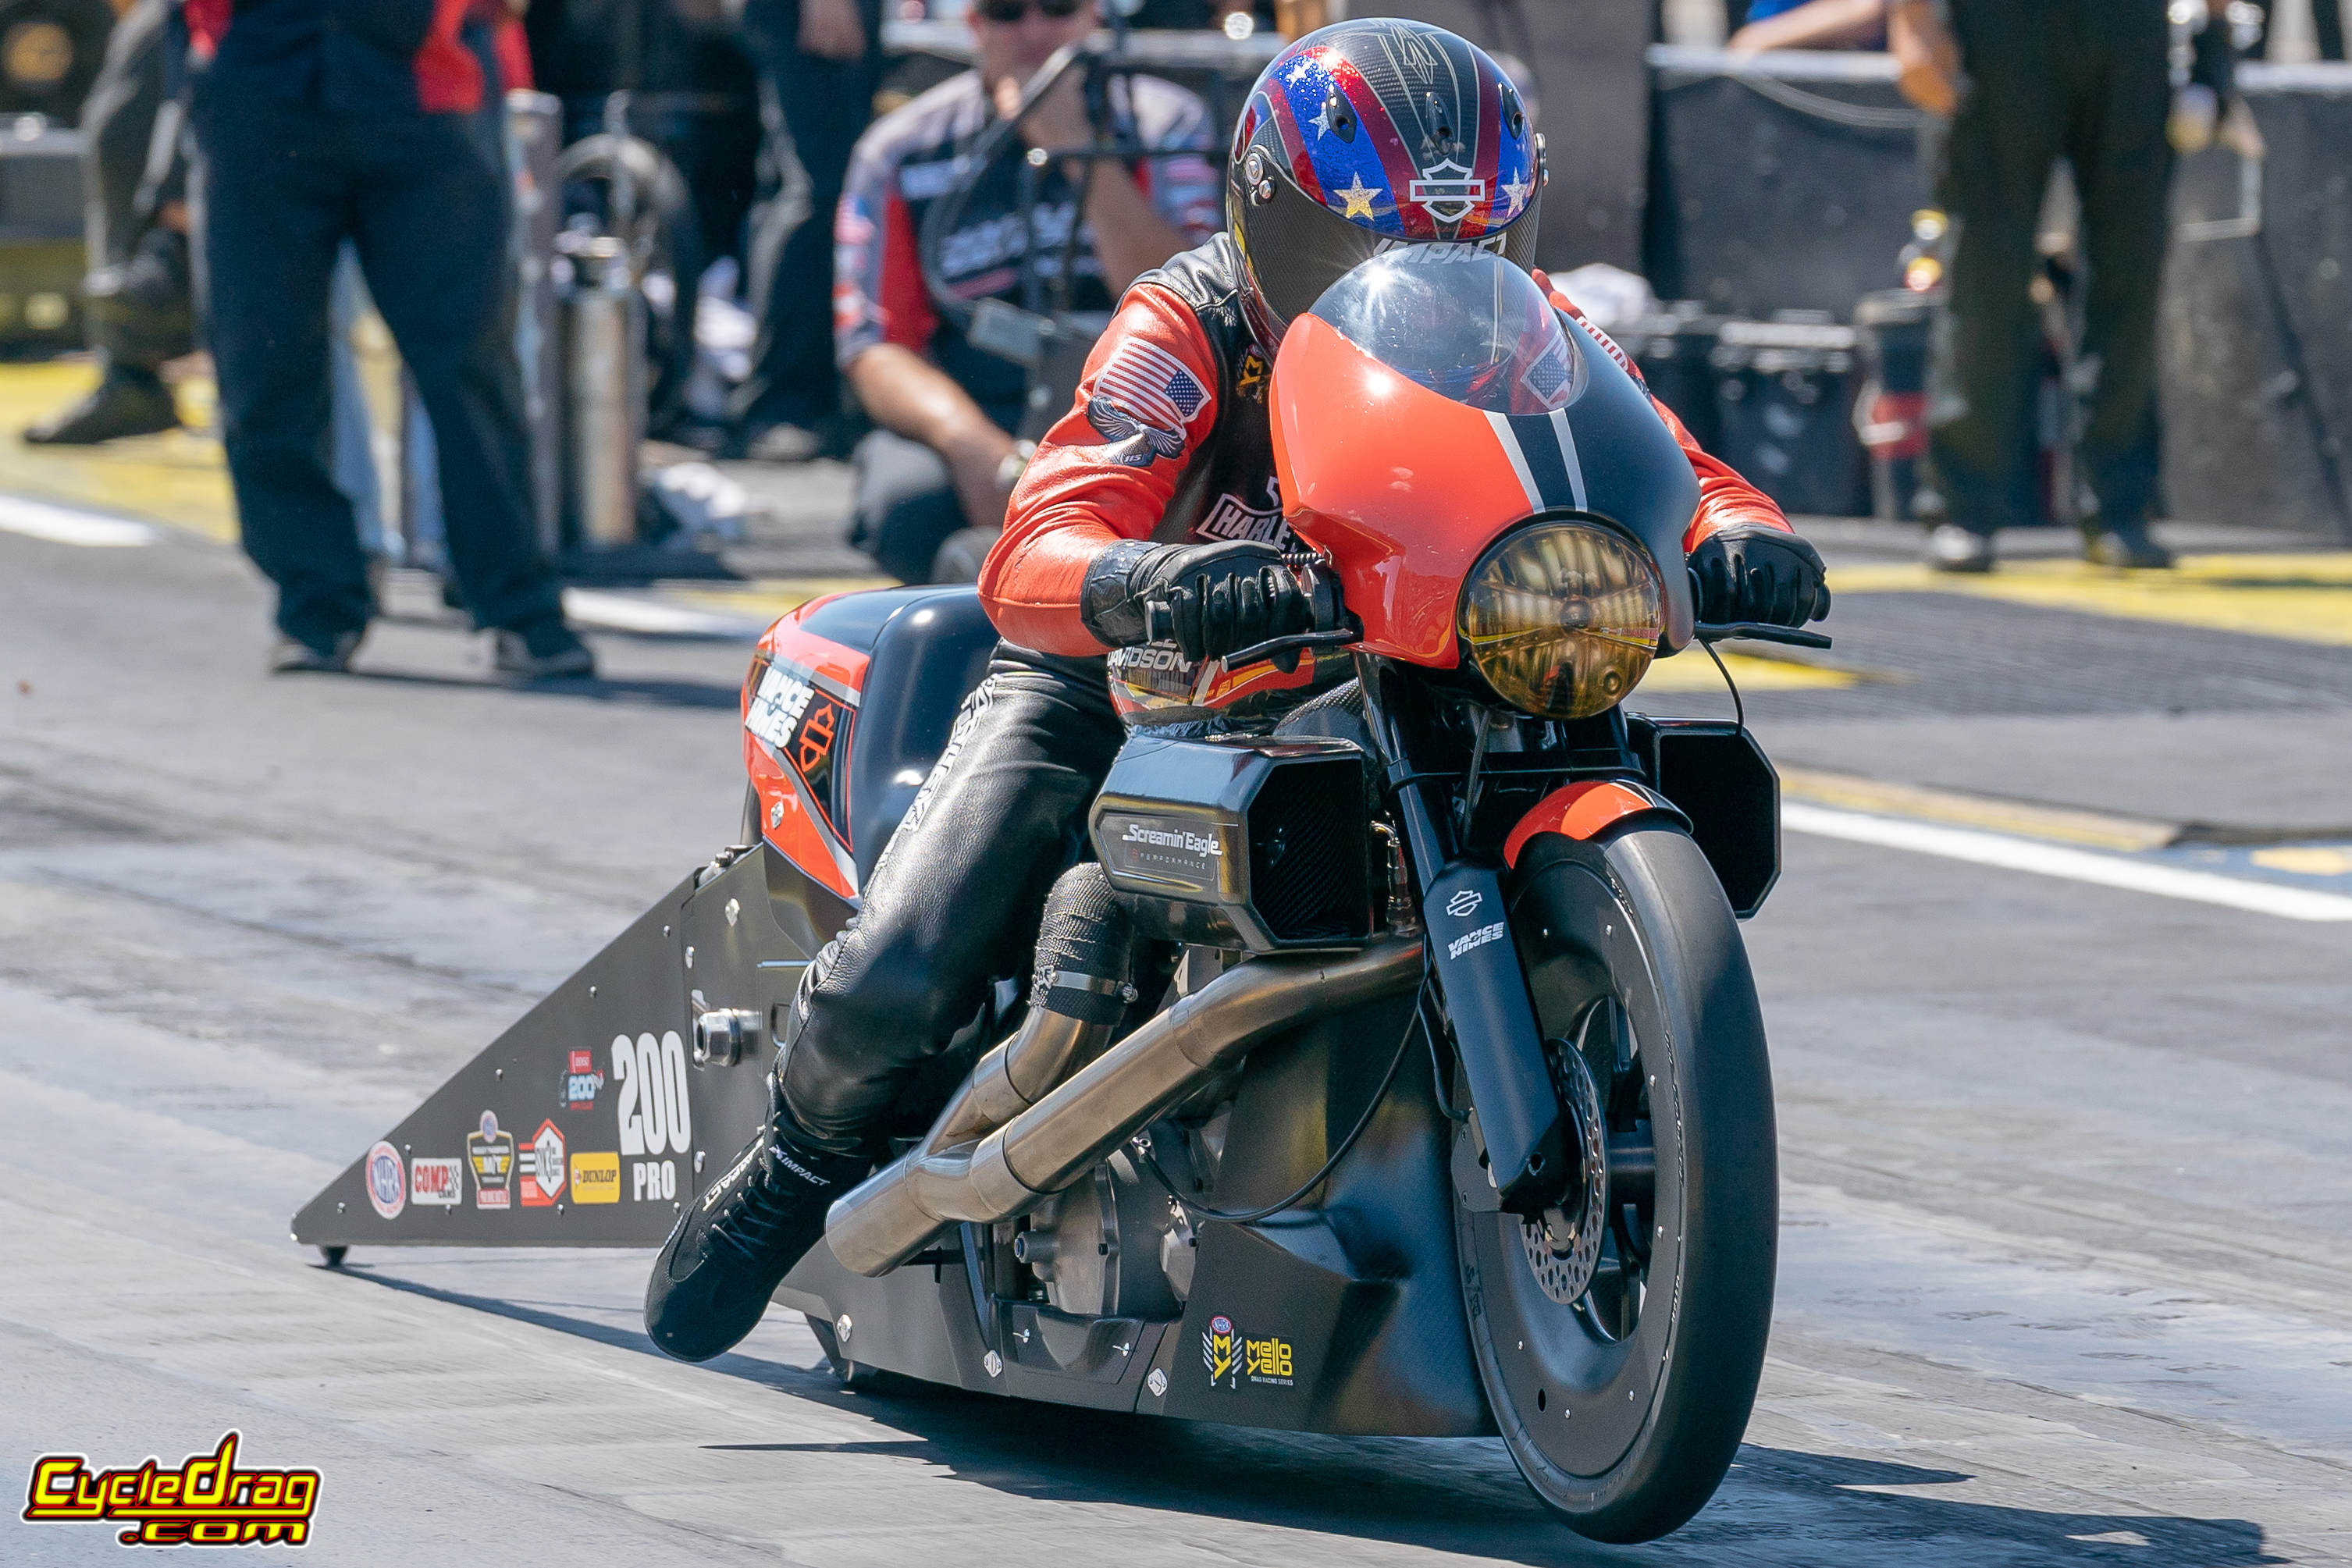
{"x":953,"y":904}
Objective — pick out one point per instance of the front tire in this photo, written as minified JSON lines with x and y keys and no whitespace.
{"x":1622,"y":1379}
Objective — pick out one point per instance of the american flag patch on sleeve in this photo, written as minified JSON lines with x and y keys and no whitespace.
{"x":1151,"y":385}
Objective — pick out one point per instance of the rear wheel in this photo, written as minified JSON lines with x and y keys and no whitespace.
{"x":1619,"y":1338}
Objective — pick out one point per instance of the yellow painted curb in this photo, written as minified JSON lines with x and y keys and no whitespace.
{"x":2301,"y":598}
{"x":2060,"y":824}
{"x":177,"y":479}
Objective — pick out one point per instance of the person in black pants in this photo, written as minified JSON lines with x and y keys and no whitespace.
{"x":323,"y":120}
{"x":138,"y":310}
{"x":2087,"y":80}
{"x":819,"y":62}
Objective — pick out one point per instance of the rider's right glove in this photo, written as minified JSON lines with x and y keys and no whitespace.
{"x":1748,"y":571}
{"x":1218,"y":597}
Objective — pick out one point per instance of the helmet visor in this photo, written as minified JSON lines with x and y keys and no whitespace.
{"x":1464,"y":322}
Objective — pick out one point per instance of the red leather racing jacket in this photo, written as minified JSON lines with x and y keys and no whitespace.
{"x":1168,"y":439}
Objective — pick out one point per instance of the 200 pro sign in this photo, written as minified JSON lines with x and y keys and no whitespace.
{"x":649,"y":1078}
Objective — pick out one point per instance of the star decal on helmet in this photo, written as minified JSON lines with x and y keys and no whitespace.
{"x":1516,"y":192}
{"x":1358,"y":196}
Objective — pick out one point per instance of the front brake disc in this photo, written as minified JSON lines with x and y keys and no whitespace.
{"x":1563,"y":1247}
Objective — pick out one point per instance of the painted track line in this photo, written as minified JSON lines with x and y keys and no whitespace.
{"x":620,"y":612}
{"x":2075,"y":865}
{"x":70,"y":525}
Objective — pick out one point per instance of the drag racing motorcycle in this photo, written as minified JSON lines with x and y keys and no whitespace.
{"x":1391,"y":1064}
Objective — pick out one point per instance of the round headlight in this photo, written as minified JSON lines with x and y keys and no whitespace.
{"x":1562,"y":619}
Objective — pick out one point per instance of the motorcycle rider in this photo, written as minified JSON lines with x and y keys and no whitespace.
{"x":1156,"y":486}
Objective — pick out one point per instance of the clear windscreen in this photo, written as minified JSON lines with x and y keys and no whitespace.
{"x":1461,"y":321}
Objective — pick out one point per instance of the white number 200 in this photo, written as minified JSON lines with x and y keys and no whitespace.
{"x":657,"y":1117}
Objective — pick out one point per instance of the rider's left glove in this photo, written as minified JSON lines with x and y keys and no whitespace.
{"x":1748,"y":571}
{"x":1211,"y":599}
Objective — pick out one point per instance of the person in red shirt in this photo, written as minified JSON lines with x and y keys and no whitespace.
{"x":1158,"y":486}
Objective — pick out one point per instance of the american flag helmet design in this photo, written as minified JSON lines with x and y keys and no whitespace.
{"x":1366,"y":134}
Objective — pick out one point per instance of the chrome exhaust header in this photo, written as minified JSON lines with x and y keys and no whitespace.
{"x":975,"y":1168}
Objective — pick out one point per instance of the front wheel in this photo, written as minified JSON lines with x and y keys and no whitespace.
{"x":1620,"y":1337}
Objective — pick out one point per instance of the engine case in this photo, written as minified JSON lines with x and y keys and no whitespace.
{"x":1097,"y":1247}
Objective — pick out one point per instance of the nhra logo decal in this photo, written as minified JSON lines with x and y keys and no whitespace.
{"x":542,"y":1168}
{"x":436,"y":1183}
{"x":581,"y":1082}
{"x":491,"y":1154}
{"x":387,"y":1183}
{"x":1233,"y":1357}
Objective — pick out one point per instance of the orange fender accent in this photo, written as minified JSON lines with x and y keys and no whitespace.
{"x":1580,"y":811}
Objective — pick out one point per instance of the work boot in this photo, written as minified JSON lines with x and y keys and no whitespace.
{"x":124,"y":403}
{"x":292,"y":657}
{"x":1951,"y":547}
{"x":2125,"y":544}
{"x":541,"y":651}
{"x":734,"y":1245}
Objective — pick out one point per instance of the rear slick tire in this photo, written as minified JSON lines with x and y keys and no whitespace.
{"x":1624,"y":1405}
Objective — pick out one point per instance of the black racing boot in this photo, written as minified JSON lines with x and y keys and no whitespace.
{"x":734,"y":1245}
{"x":127,"y":402}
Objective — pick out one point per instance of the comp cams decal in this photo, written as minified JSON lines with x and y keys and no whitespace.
{"x":436,"y":1183}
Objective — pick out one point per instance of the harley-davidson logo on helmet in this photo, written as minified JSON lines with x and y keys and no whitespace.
{"x":1446,"y":192}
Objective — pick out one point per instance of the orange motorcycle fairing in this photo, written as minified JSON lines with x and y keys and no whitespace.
{"x":1402,"y":487}
{"x":1584,"y":810}
{"x":799,"y":707}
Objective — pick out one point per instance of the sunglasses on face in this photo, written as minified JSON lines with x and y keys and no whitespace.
{"x":1008,"y":12}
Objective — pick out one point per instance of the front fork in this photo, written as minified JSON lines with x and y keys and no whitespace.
{"x":1481,"y":979}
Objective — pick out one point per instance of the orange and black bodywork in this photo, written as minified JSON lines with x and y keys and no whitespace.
{"x":830,"y":784}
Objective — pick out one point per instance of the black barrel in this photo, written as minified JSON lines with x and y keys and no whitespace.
{"x":1784,"y":397}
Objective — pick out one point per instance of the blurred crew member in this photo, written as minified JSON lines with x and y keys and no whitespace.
{"x":945,"y":455}
{"x":819,"y":62}
{"x":323,"y":120}
{"x":135,"y":219}
{"x":1811,"y":24}
{"x":2087,"y":80}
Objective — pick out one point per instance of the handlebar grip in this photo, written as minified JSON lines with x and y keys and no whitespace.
{"x":1759,"y":631}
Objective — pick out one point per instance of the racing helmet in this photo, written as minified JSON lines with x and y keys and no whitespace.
{"x":1369,"y":134}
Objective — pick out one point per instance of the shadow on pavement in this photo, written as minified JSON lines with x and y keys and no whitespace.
{"x":652,"y":694}
{"x":1776,"y":1506}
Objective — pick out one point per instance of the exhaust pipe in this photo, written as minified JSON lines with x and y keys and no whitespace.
{"x":1042,"y":1149}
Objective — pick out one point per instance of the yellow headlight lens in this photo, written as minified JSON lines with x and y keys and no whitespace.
{"x":1562,"y":619}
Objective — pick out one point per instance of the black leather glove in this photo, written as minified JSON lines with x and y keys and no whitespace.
{"x":1218,"y":597}
{"x":1750,"y":572}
